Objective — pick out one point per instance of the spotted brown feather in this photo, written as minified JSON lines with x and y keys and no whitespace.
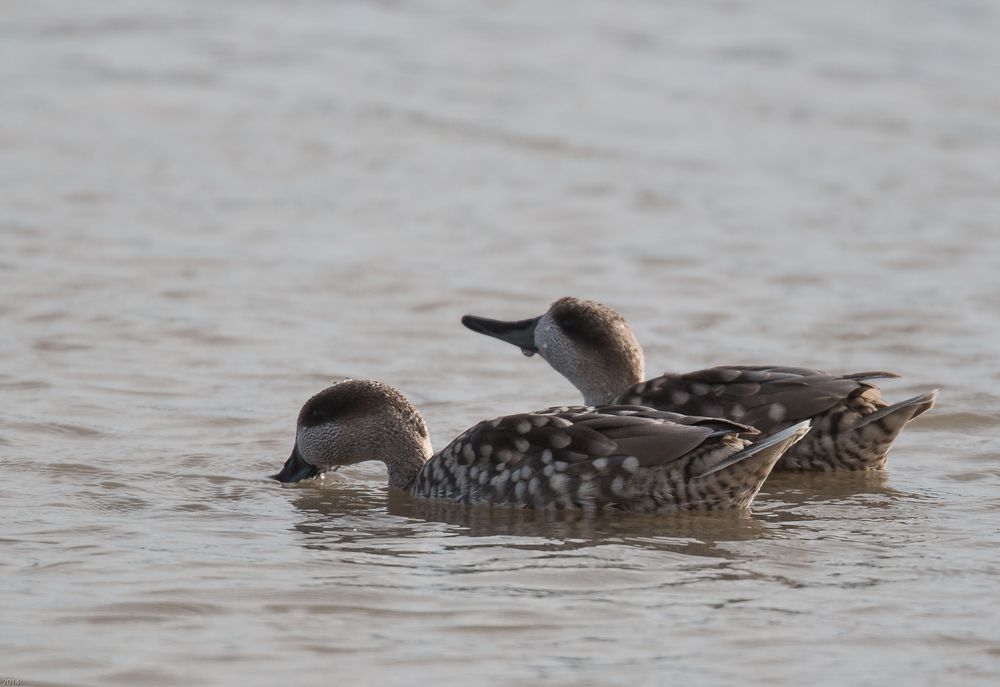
{"x":583,"y":457}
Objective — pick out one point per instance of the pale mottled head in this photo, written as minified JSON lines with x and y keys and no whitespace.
{"x":353,"y":421}
{"x":588,"y":343}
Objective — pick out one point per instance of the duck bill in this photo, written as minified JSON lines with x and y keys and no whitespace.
{"x":520,"y":333}
{"x":296,"y":469}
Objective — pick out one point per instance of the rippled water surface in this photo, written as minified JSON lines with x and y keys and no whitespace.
{"x":210,"y":210}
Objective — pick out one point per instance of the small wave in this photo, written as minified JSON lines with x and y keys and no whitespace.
{"x":60,"y":428}
{"x":957,"y":420}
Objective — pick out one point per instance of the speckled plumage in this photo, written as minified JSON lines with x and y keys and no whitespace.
{"x":611,"y":457}
{"x":844,"y":436}
{"x":853,"y":428}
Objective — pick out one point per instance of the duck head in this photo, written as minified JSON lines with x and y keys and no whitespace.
{"x":587,"y":342}
{"x":354,"y":421}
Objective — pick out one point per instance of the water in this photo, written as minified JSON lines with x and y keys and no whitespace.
{"x":210,"y":210}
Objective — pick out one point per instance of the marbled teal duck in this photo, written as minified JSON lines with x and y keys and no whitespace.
{"x":594,"y":348}
{"x":593,"y":458}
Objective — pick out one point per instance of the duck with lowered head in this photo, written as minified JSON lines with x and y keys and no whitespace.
{"x":592,"y":458}
{"x":594,"y":348}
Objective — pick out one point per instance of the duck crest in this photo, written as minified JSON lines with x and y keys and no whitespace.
{"x":587,"y":322}
{"x":353,"y":398}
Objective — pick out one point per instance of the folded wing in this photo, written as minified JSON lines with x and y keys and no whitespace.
{"x":574,"y":456}
{"x":765,"y":397}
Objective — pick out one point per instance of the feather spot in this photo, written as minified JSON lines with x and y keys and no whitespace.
{"x":522,"y":427}
{"x":521,"y":444}
{"x":631,"y":464}
{"x":549,"y":470}
{"x":504,"y":455}
{"x":738,"y":412}
{"x":729,"y":375}
{"x":560,"y":440}
{"x":486,"y":450}
{"x":559,"y":484}
{"x":680,"y":397}
{"x":600,"y":464}
{"x":468,"y":453}
{"x":560,"y":465}
{"x":534,"y":485}
{"x":526,"y":473}
{"x":618,"y":486}
{"x":473,"y":472}
{"x":539,"y":420}
{"x":777,"y":412}
{"x":699,"y":389}
{"x":547,"y":456}
{"x":520,"y":490}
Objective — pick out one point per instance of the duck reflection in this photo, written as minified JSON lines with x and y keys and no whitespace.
{"x":797,"y":505}
{"x":803,"y":488}
{"x":792,"y":495}
{"x":362,"y":517}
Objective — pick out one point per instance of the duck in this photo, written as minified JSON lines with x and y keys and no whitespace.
{"x":590,"y":458}
{"x":593,"y":346}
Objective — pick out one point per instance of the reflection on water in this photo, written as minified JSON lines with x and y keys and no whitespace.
{"x":807,"y":489}
{"x":335,"y":515}
{"x":212,"y":210}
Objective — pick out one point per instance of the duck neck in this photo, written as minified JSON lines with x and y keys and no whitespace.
{"x":602,"y":384}
{"x":597,"y":395}
{"x":404,"y":458}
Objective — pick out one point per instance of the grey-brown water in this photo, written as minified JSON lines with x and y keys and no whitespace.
{"x":210,"y":210}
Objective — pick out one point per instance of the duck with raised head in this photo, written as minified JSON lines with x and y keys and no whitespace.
{"x":595,"y":349}
{"x":592,"y":458}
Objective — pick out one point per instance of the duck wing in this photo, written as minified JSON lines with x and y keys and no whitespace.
{"x":571,"y":456}
{"x":765,"y":397}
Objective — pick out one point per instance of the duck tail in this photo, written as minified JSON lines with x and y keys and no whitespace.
{"x":898,"y":414}
{"x":863,"y":445}
{"x":771,"y":448}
